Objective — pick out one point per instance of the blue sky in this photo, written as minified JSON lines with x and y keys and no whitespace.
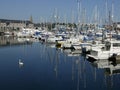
{"x":43,"y":10}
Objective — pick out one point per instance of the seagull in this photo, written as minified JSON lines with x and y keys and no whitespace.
{"x":20,"y":62}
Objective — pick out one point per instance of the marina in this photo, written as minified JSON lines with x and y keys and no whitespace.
{"x":60,"y":45}
{"x":43,"y":66}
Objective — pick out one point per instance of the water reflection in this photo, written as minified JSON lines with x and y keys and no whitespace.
{"x":60,"y":59}
{"x":111,"y":71}
{"x":70,"y":52}
{"x":79,"y":71}
{"x":11,"y":40}
{"x":20,"y":62}
{"x":110,"y":68}
{"x":49,"y":68}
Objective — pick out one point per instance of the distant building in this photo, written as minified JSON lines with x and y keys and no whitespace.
{"x":6,"y":24}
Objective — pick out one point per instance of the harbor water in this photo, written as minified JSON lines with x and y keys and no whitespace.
{"x":46,"y":67}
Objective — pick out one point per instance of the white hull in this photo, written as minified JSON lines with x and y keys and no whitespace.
{"x":111,"y":47}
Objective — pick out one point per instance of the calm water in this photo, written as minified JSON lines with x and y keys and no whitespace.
{"x":48,"y":68}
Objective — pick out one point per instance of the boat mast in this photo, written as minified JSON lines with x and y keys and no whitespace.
{"x":112,"y":17}
{"x":111,"y":20}
{"x":72,"y":20}
{"x":96,"y":17}
{"x":56,"y":18}
{"x":106,"y":15}
{"x":79,"y":11}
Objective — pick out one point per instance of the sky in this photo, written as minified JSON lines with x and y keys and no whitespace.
{"x":66,"y":10}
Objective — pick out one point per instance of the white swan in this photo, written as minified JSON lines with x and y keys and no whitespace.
{"x":20,"y":62}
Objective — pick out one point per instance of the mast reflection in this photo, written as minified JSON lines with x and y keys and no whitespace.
{"x":111,"y":70}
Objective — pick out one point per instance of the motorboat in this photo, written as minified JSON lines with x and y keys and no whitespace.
{"x":111,"y":48}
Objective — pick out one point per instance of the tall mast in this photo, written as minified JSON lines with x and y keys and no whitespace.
{"x":72,"y":20}
{"x":112,"y":11}
{"x":78,"y":1}
{"x":65,"y":18}
{"x":106,"y":15}
{"x":55,"y":17}
{"x":79,"y":11}
{"x":96,"y":16}
{"x":83,"y":16}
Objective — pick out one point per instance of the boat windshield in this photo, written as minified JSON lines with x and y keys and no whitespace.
{"x":107,"y":46}
{"x":116,"y":44}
